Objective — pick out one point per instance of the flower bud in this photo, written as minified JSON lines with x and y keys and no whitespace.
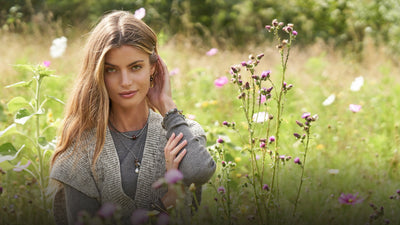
{"x":259,"y":56}
{"x":268,"y":27}
{"x":294,"y":33}
{"x":299,"y":123}
{"x":192,"y":187}
{"x":247,"y":86}
{"x":251,"y":57}
{"x":220,"y":140}
{"x":266,"y":187}
{"x":244,"y":63}
{"x":271,"y":139}
{"x":265,"y":75}
{"x":296,"y":135}
{"x":297,"y":160}
{"x":275,"y":22}
{"x":262,"y":145}
{"x":280,"y":24}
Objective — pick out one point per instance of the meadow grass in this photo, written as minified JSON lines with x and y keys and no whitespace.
{"x":363,"y":147}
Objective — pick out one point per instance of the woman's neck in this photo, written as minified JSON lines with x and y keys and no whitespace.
{"x":129,"y":119}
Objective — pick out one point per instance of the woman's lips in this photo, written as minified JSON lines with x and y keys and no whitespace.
{"x":127,"y":94}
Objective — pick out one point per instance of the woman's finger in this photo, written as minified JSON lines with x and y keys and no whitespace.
{"x":179,"y":158}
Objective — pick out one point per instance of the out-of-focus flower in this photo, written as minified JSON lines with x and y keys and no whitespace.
{"x":140,"y":13}
{"x":305,"y":115}
{"x":219,"y":82}
{"x":357,"y":83}
{"x":46,"y":63}
{"x":173,"y":176}
{"x":354,"y":108}
{"x":262,"y":100}
{"x":174,"y":71}
{"x":260,"y":117}
{"x":221,"y":190}
{"x":266,"y":187}
{"x":294,"y":33}
{"x":220,"y":140}
{"x":107,"y":210}
{"x":271,"y":139}
{"x":191,"y":116}
{"x":19,"y":167}
{"x":139,"y":216}
{"x":58,"y":47}
{"x":297,"y":135}
{"x":333,"y":171}
{"x":329,"y":100}
{"x":349,"y":199}
{"x":212,"y":52}
{"x":162,"y":219}
{"x":297,"y":160}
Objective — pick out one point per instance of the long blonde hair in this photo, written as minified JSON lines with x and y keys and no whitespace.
{"x":88,"y":106}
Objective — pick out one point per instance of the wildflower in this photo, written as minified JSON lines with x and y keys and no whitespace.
{"x":275,"y":22}
{"x":58,"y":47}
{"x":220,"y":140}
{"x":261,"y":99}
{"x":174,"y":71}
{"x":46,"y":63}
{"x":271,"y":139}
{"x":265,"y":74}
{"x":163,"y":219}
{"x":265,"y":187}
{"x":107,"y":210}
{"x":260,"y":117}
{"x":139,"y":216}
{"x":191,"y":116}
{"x":349,"y":199}
{"x":140,"y":13}
{"x":357,"y":83}
{"x":329,"y":100}
{"x":262,"y":144}
{"x":259,"y":56}
{"x":268,"y":27}
{"x":19,"y":167}
{"x":221,"y":190}
{"x":244,"y":63}
{"x":333,"y":171}
{"x":212,"y":52}
{"x":297,"y":160}
{"x":173,"y":176}
{"x":219,"y":82}
{"x":354,"y":108}
{"x":305,"y":115}
{"x":294,"y":33}
{"x":297,"y":135}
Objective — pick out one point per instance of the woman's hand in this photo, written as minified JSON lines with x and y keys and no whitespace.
{"x":173,"y":156}
{"x":160,"y":94}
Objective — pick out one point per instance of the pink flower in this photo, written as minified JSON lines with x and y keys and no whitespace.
{"x":140,"y":13}
{"x":174,"y":71}
{"x":297,"y":160}
{"x":219,"y":82}
{"x":349,"y":199}
{"x":212,"y":52}
{"x":139,"y":216}
{"x":263,"y":99}
{"x":19,"y":167}
{"x":46,"y":63}
{"x":106,"y":210}
{"x":173,"y":176}
{"x":221,"y":190}
{"x":354,"y":108}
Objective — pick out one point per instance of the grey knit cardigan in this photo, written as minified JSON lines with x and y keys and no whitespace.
{"x":73,"y":167}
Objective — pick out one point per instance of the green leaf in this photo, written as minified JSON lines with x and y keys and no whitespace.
{"x":55,"y":99}
{"x":22,"y":116}
{"x":42,"y":141}
{"x":20,"y":84}
{"x":8,"y":129}
{"x":8,"y":152}
{"x":17,"y":103}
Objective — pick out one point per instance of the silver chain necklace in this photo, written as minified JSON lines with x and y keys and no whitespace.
{"x":134,"y":137}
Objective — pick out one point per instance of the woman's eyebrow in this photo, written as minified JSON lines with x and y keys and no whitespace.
{"x":130,"y":64}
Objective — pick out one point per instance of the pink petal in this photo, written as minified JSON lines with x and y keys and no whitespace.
{"x":219,"y":82}
{"x":46,"y":63}
{"x":212,"y":52}
{"x":354,"y":108}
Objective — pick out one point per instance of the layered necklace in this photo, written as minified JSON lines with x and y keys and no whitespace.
{"x":133,"y":137}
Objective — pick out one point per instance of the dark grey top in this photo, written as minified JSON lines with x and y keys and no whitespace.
{"x":128,"y":150}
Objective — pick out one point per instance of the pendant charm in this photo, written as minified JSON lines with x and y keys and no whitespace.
{"x":137,"y":166}
{"x":137,"y":170}
{"x":134,"y":137}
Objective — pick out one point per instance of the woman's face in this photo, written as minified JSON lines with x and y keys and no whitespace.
{"x":127,"y":73}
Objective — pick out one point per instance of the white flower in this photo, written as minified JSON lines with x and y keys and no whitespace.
{"x":140,"y":13}
{"x":333,"y":171}
{"x":329,"y":100}
{"x":58,"y":47}
{"x":357,"y":84}
{"x":260,"y":117}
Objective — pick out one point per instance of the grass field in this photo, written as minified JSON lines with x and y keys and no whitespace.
{"x":350,"y":152}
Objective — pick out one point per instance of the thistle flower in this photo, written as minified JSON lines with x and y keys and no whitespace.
{"x":297,"y":135}
{"x":294,"y":33}
{"x":259,"y":56}
{"x":262,"y":145}
{"x":271,"y":139}
{"x":265,"y":74}
{"x":305,"y":115}
{"x":268,"y":27}
{"x":173,"y":176}
{"x":297,"y":160}
{"x":221,"y":190}
{"x":220,"y":140}
{"x":46,"y":63}
{"x":107,"y":210}
{"x":275,"y":22}
{"x":265,"y":187}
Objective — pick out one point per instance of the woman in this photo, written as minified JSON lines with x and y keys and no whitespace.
{"x":113,"y":145}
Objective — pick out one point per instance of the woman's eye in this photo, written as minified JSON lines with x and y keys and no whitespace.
{"x":136,"y":67}
{"x":110,"y":70}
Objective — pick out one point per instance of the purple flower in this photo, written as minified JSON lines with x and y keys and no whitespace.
{"x":46,"y":63}
{"x":265,"y":74}
{"x":354,"y":108}
{"x":139,"y":216}
{"x":262,"y":144}
{"x":271,"y":139}
{"x":268,"y":27}
{"x":297,"y":160}
{"x":349,"y":199}
{"x":219,"y":82}
{"x":305,"y":115}
{"x":107,"y":210}
{"x":225,"y":123}
{"x":212,"y":52}
{"x":265,"y":187}
{"x":163,"y":219}
{"x":297,"y":135}
{"x":244,"y":63}
{"x":220,"y":140}
{"x":221,"y":190}
{"x":173,"y":176}
{"x":294,"y":33}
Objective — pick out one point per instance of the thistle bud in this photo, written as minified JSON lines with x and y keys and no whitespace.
{"x":259,"y":56}
{"x":265,"y":75}
{"x":297,"y":135}
{"x":275,"y":22}
{"x":299,"y":123}
{"x":268,"y":27}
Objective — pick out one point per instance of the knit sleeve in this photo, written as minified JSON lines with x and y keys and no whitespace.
{"x":197,"y":165}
